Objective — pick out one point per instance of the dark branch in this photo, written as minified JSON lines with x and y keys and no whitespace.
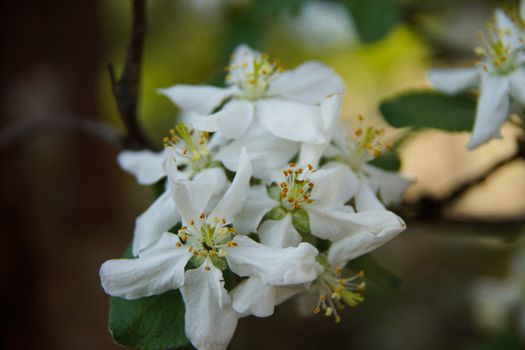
{"x":428,"y":207}
{"x":126,"y":89}
{"x":14,"y":134}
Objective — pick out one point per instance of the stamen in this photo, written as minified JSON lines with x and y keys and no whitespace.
{"x":297,"y":188}
{"x":253,"y":74}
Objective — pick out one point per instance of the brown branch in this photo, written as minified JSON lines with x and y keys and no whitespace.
{"x":126,"y":89}
{"x":16,"y":133}
{"x":428,"y":207}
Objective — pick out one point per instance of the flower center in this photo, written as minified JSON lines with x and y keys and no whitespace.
{"x":363,"y":145}
{"x":497,"y":55}
{"x":253,"y":74}
{"x":189,"y":146}
{"x":336,"y":291}
{"x":206,"y":237}
{"x":297,"y":187}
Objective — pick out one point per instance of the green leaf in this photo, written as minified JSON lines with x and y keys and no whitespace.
{"x":387,"y":161}
{"x":151,"y":323}
{"x":375,"y":274}
{"x":374,"y":18}
{"x":430,"y":109}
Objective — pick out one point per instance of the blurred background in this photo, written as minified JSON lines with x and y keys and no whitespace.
{"x":66,"y":206}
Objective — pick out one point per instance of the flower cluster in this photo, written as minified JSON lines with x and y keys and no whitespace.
{"x":266,"y":184}
{"x":499,"y":74}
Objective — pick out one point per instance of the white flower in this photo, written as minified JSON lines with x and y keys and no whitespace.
{"x":500,"y":76}
{"x":355,"y":147}
{"x":322,"y":196}
{"x":207,"y":244}
{"x":318,"y":199}
{"x":286,"y":103}
{"x":187,"y":155}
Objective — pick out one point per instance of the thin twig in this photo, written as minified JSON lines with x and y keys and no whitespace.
{"x":12,"y":134}
{"x":126,"y":89}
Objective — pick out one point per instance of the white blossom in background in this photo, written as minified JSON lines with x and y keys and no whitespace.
{"x":286,"y":104}
{"x":206,"y":244}
{"x":187,"y":155}
{"x":499,"y":303}
{"x":500,"y":77}
{"x":323,"y":25}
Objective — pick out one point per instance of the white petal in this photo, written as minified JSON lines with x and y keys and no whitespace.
{"x":145,"y":165}
{"x":170,"y":166}
{"x":279,"y":233}
{"x":334,"y":224}
{"x":509,"y":31}
{"x":358,"y":244}
{"x":278,"y":266}
{"x":330,"y":111}
{"x":291,"y":120}
{"x":157,"y":219}
{"x":231,"y":121}
{"x":265,"y":150}
{"x":517,"y":85}
{"x":311,"y":153}
{"x":309,"y":83}
{"x":193,"y":196}
{"x":253,"y":297}
{"x":366,"y":199}
{"x":492,"y":111}
{"x":390,"y":185}
{"x":210,"y":320}
{"x":201,"y":99}
{"x":158,"y":269}
{"x":255,"y":207}
{"x":452,"y":81}
{"x":233,"y":200}
{"x":334,"y":185}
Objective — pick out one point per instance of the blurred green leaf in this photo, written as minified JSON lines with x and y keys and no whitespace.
{"x":430,"y":109}
{"x":151,"y":323}
{"x":375,"y":274}
{"x":374,"y":18}
{"x":387,"y":161}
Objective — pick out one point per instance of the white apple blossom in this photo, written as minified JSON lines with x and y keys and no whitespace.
{"x":187,"y":155}
{"x":318,"y":199}
{"x":193,"y":261}
{"x":314,"y":200}
{"x":355,"y":147}
{"x":500,"y":76}
{"x":286,"y":103}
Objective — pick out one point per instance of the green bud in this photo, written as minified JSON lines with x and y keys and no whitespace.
{"x":301,"y":221}
{"x":274,"y":192}
{"x":277,"y":213}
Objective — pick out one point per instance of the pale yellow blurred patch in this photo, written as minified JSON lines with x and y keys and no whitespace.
{"x":374,"y":72}
{"x":440,"y":161}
